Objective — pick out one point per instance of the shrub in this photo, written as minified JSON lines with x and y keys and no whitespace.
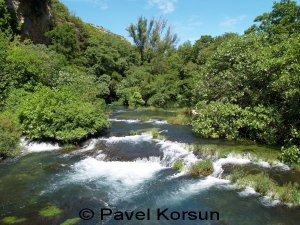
{"x":178,"y":165}
{"x":135,"y":99}
{"x":9,"y":136}
{"x":290,"y":155}
{"x":60,"y":115}
{"x":264,"y":184}
{"x":236,"y":174}
{"x":204,"y":167}
{"x":290,"y":193}
{"x":217,"y":120}
{"x":230,"y":121}
{"x":155,"y":134}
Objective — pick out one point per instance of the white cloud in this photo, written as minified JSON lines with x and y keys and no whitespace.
{"x":166,"y":6}
{"x":231,"y":22}
{"x":188,"y":29}
{"x":192,"y":23}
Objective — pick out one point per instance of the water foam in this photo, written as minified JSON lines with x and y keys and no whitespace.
{"x":125,"y":120}
{"x":263,"y":164}
{"x":38,"y":146}
{"x":91,"y":145}
{"x":132,"y":139}
{"x":248,"y":191}
{"x":175,"y":150}
{"x":204,"y":184}
{"x":231,"y":159}
{"x":282,"y":166}
{"x":268,"y":202}
{"x":122,"y":174}
{"x":158,"y":122}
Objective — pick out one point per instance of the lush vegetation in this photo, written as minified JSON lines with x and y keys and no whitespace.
{"x":204,"y":167}
{"x":239,"y":86}
{"x":178,"y":165}
{"x":10,"y":135}
{"x":263,"y":184}
{"x":50,"y":211}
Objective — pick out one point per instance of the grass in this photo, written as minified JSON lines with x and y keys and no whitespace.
{"x":68,"y":146}
{"x":252,"y":151}
{"x":13,"y":220}
{"x":155,"y":134}
{"x":50,"y":211}
{"x":153,"y":131}
{"x":135,"y":132}
{"x":263,"y":184}
{"x":144,"y":118}
{"x":179,"y":119}
{"x":71,"y":221}
{"x":150,"y":108}
{"x":204,"y":167}
{"x":178,"y":165}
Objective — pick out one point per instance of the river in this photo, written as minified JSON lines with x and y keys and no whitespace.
{"x":129,"y":178}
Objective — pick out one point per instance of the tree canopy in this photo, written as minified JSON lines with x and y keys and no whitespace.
{"x":241,"y":86}
{"x":152,"y":38}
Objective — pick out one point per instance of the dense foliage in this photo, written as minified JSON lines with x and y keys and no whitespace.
{"x":9,"y":136}
{"x":59,"y":115}
{"x":46,"y":91}
{"x":240,"y":86}
{"x":251,"y":83}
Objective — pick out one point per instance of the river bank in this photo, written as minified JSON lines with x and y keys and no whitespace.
{"x":133,"y":172}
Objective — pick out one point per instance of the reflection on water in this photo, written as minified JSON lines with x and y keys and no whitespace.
{"x":133,"y":173}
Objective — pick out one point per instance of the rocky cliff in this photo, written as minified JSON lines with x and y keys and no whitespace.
{"x":35,"y":17}
{"x":102,"y":29}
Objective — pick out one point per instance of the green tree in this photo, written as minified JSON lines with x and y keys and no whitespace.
{"x":153,"y":37}
{"x":82,"y":85}
{"x":185,"y":51}
{"x":64,"y":40}
{"x":9,"y":24}
{"x":59,"y":115}
{"x":4,"y":42}
{"x":283,"y":19}
{"x":27,"y":64}
{"x":107,"y":53}
{"x":9,"y":136}
{"x":201,"y":48}
{"x":135,"y":99}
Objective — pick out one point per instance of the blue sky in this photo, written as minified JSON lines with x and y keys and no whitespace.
{"x":189,"y":18}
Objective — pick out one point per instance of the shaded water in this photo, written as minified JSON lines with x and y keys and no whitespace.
{"x":131,"y":173}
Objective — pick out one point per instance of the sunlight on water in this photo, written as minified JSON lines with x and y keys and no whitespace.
{"x":132,"y":139}
{"x":38,"y":146}
{"x":132,"y":173}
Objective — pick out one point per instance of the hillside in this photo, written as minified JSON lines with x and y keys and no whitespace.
{"x":36,"y":17}
{"x":239,"y":86}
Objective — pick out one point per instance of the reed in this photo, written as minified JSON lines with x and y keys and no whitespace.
{"x":204,"y":167}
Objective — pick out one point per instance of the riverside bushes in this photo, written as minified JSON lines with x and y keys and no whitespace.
{"x":9,"y":136}
{"x":230,"y":121}
{"x":204,"y":167}
{"x":58,"y":115}
{"x":178,"y":165}
{"x":263,"y":184}
{"x":291,"y":155}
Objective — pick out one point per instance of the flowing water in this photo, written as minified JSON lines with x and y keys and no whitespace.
{"x":119,"y":173}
